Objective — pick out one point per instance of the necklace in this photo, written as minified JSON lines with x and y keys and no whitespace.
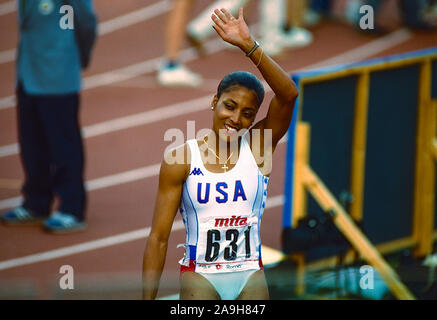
{"x":224,"y":166}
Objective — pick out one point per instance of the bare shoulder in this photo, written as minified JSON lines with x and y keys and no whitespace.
{"x":175,"y":165}
{"x":261,"y":146}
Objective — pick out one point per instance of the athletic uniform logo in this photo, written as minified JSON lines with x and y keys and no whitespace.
{"x":221,"y":188}
{"x":196,"y":172}
{"x":234,"y":221}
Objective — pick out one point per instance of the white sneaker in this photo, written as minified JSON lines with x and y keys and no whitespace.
{"x":272,"y":43}
{"x":297,"y":37}
{"x":178,"y":75}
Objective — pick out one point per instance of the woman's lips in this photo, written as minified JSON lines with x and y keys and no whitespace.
{"x":230,"y":130}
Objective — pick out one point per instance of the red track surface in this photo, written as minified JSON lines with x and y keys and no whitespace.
{"x":126,"y":207}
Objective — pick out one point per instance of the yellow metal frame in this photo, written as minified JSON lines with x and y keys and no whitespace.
{"x":423,"y":233}
{"x":423,"y":223}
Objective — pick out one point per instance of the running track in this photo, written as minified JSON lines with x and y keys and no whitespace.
{"x":124,"y":117}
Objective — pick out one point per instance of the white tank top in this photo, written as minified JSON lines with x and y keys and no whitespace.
{"x":222,"y":214}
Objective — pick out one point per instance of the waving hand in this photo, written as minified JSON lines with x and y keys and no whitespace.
{"x":230,"y":29}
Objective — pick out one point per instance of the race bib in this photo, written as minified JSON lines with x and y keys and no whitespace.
{"x":227,"y":244}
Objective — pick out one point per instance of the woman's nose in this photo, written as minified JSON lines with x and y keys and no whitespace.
{"x":235,"y":118}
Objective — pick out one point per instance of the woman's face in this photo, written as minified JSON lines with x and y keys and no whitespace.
{"x":235,"y":110}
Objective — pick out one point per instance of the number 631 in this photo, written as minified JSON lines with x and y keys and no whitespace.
{"x":213,"y":239}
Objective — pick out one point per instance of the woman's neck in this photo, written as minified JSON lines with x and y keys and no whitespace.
{"x":221,"y":147}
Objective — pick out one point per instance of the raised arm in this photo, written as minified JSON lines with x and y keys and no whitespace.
{"x":236,"y":32}
{"x":171,"y":179}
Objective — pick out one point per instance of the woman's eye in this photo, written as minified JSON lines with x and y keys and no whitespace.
{"x":248,"y":115}
{"x":228,"y":106}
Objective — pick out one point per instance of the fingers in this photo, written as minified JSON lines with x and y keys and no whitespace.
{"x":240,"y":13}
{"x":222,"y":17}
{"x":220,"y":32}
{"x":217,"y":21}
{"x":227,"y":14}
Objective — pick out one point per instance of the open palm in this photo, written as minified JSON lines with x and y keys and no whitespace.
{"x":230,"y":29}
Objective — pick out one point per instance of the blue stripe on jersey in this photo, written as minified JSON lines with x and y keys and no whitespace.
{"x":260,"y":213}
{"x":195,"y":213}
{"x":260,"y":208}
{"x":256,"y":197}
{"x":182,"y":210}
{"x":261,"y":198}
{"x":193,"y":252}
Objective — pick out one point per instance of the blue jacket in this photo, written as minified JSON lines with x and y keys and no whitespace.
{"x":48,"y":59}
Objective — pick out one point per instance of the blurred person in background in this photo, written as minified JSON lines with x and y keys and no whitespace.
{"x":316,"y":10}
{"x":173,"y":72}
{"x":201,"y":27}
{"x":297,"y":16}
{"x":274,"y":17}
{"x":56,"y":39}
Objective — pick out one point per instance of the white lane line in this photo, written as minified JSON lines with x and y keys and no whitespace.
{"x":123,"y":177}
{"x":7,"y":56}
{"x":131,"y":71}
{"x":108,"y":181}
{"x":108,"y":26}
{"x":189,"y":54}
{"x":148,"y":117}
{"x":9,"y":150}
{"x":8,"y":7}
{"x":190,"y":106}
{"x":130,"y":121}
{"x":138,"y":234}
{"x":100,"y":183}
{"x":149,"y":82}
{"x":10,"y":202}
{"x":134,"y":17}
{"x":369,"y":49}
{"x":137,"y":69}
{"x":7,"y":102}
{"x":74,"y":249}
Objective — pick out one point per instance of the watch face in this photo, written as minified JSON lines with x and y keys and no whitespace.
{"x":46,"y":7}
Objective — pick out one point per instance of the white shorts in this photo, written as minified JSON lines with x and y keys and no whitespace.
{"x":230,"y":284}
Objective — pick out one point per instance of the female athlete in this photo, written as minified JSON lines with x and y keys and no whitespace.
{"x":221,"y":202}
